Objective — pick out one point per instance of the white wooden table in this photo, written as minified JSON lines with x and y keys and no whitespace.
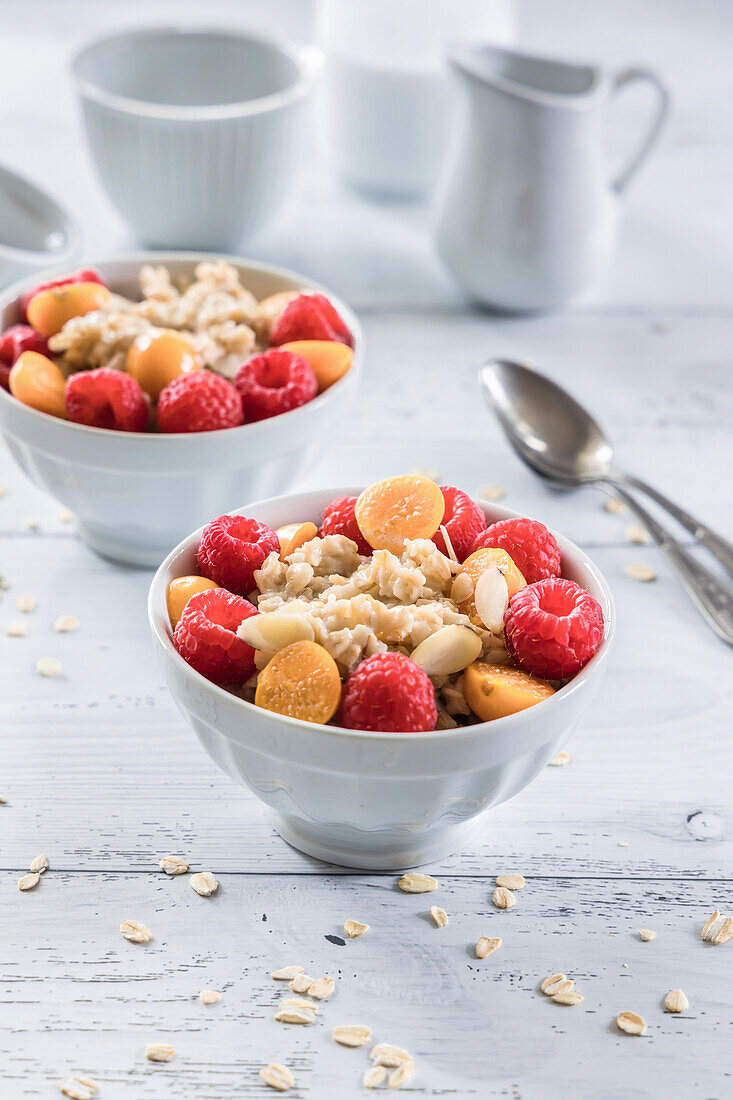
{"x":101,"y":773}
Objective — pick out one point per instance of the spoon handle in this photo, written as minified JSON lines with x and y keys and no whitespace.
{"x":712,"y":598}
{"x":719,"y":547}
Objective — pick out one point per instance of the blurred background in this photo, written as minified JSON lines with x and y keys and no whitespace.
{"x":688,"y":176}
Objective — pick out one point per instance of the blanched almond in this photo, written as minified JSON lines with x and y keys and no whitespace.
{"x":275,"y":630}
{"x":491,"y":597}
{"x":449,"y":650}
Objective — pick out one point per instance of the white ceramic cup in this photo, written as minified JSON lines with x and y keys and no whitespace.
{"x":195,"y":133}
{"x":373,"y":800}
{"x":34,"y":230}
{"x":134,"y":494}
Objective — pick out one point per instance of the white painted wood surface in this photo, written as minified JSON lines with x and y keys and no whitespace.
{"x":100,"y":772}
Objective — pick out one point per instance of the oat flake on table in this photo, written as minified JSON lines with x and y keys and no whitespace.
{"x":16,"y":630}
{"x":134,"y":931}
{"x":173,"y":865}
{"x":49,"y":667}
{"x":322,"y":988}
{"x":676,"y":1001}
{"x":73,"y":1088}
{"x":486,"y":946}
{"x":416,"y":883}
{"x":647,"y":935}
{"x":440,"y":917}
{"x":352,"y":1035}
{"x":503,"y":898}
{"x":639,"y":572}
{"x":39,"y":864}
{"x":278,"y":1076}
{"x":401,"y":1075}
{"x":631,"y":1023}
{"x":159,"y":1052}
{"x":373,"y":1077}
{"x":26,"y":604}
{"x":287,"y":973}
{"x":718,"y":928}
{"x":29,"y":882}
{"x":511,"y":881}
{"x":354,"y":928}
{"x":560,"y":760}
{"x":204,"y":883}
{"x":209,"y":996}
{"x":66,"y":624}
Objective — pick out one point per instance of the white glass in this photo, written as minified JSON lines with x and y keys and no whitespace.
{"x":389,"y":101}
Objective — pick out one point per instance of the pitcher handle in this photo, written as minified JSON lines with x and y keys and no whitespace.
{"x":620,"y":80}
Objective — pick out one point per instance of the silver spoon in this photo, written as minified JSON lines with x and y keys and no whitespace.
{"x":554,"y":435}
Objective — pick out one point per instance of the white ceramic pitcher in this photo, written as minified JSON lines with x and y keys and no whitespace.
{"x":528,"y":214}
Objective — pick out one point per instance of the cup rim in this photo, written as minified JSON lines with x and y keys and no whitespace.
{"x":157,"y":612}
{"x":306,"y":58}
{"x":260,"y":427}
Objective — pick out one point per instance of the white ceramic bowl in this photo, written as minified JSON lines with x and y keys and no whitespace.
{"x":371,"y":800}
{"x":135,"y":494}
{"x":196,"y":133}
{"x":34,"y":230}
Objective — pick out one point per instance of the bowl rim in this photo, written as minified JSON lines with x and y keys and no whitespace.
{"x":157,"y":612}
{"x":306,"y":58}
{"x":66,"y":224}
{"x":13,"y":293}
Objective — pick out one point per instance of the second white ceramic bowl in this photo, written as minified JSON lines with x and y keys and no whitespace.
{"x":135,"y":494}
{"x":372,"y":800}
{"x":196,"y":133}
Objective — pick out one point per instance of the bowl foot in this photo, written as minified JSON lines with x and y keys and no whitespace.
{"x":378,"y":850}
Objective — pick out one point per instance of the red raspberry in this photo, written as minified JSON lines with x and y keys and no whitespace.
{"x":310,"y":317}
{"x":388,"y":693}
{"x":528,"y":543}
{"x":86,"y":275}
{"x":273,"y":383}
{"x":13,"y":342}
{"x":206,"y":636}
{"x":106,"y":398}
{"x":553,"y":627}
{"x":232,"y":548}
{"x":462,"y":519}
{"x":199,"y":402}
{"x":339,"y":518}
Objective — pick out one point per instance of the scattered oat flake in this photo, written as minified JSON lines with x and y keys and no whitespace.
{"x":614,"y":505}
{"x":39,"y":864}
{"x":79,"y":1087}
{"x":32,"y":524}
{"x":717,"y":928}
{"x":374,"y":1077}
{"x":209,"y":997}
{"x":511,"y":882}
{"x":3,"y":800}
{"x":49,"y":667}
{"x":440,"y":917}
{"x":29,"y":882}
{"x":66,"y":624}
{"x":385,"y":1054}
{"x":676,"y":1001}
{"x":300,"y":1002}
{"x":26,"y":604}
{"x":503,"y":898}
{"x":631,"y":1023}
{"x":65,"y":515}
{"x":487,"y":945}
{"x":401,"y":1075}
{"x":552,"y":983}
{"x":416,"y":883}
{"x":301,"y":982}
{"x":660,"y":327}
{"x":639,"y":572}
{"x":173,"y":865}
{"x":491,"y":492}
{"x":135,"y":931}
{"x":354,"y":928}
{"x":322,"y":988}
{"x":560,"y":760}
{"x":286,"y":973}
{"x":75,"y":1089}
{"x":16,"y":630}
{"x":567,"y":997}
{"x":352,"y":1035}
{"x":204,"y":883}
{"x":647,"y":935}
{"x":277,"y":1077}
{"x":159,"y":1052}
{"x":637,"y":534}
{"x":295,"y":1016}
{"x":3,"y":490}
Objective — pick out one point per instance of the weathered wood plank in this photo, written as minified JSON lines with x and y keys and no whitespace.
{"x":76,"y":996}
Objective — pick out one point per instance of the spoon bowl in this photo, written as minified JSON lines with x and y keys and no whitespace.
{"x":545,"y":425}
